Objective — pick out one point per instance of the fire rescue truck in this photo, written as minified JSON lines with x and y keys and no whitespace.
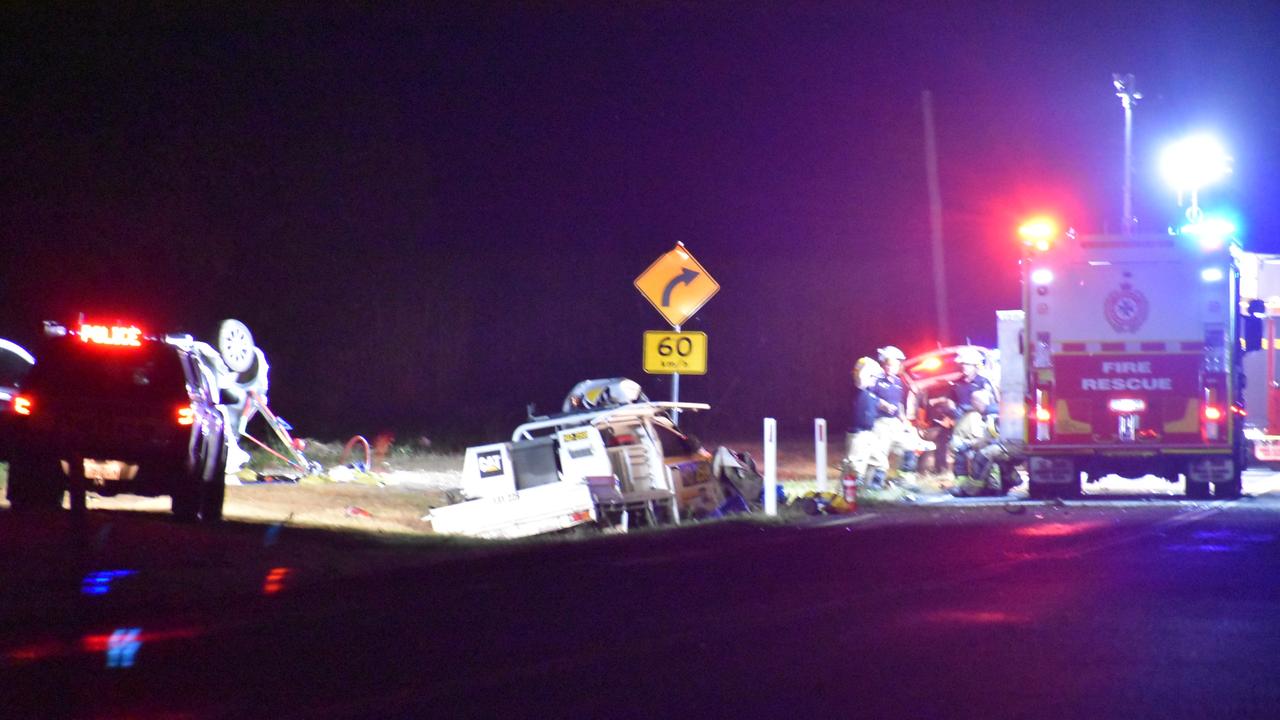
{"x":1260,"y":281}
{"x":1133,"y":350}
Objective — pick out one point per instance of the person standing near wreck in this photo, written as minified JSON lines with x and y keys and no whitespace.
{"x":862,"y":458}
{"x":891,"y":428}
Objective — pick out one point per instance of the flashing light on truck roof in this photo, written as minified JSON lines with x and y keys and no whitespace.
{"x":1039,"y":232}
{"x":1211,"y":232}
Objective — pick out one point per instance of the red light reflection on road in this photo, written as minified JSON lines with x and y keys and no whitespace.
{"x":102,"y":641}
{"x":34,"y":652}
{"x":975,"y":617}
{"x":275,"y":581}
{"x":1055,"y":529}
{"x":120,"y":644}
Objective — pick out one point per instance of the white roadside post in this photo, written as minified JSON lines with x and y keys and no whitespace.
{"x":770,"y":466}
{"x":820,"y":452}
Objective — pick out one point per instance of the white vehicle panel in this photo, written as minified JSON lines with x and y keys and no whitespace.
{"x":487,"y":471}
{"x":532,"y":511}
{"x":582,"y":454}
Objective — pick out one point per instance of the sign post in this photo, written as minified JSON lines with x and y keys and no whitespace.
{"x":677,"y":286}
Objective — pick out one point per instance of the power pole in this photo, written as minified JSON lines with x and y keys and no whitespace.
{"x":935,"y":220}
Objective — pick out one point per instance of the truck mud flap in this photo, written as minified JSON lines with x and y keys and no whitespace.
{"x":1210,"y":470}
{"x":1052,"y":471}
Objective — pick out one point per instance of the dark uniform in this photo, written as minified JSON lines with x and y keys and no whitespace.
{"x":893,"y":396}
{"x":962,"y":393}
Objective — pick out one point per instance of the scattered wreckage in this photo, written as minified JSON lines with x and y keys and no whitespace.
{"x":610,"y":457}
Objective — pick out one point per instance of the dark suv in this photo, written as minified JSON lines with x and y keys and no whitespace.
{"x":110,"y":410}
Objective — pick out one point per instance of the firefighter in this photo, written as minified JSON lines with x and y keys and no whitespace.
{"x":974,"y":432}
{"x":946,"y":410}
{"x":970,"y":360}
{"x":863,"y":461}
{"x":892,"y":429}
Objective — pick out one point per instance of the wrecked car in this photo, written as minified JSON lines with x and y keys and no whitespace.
{"x":612,"y":457}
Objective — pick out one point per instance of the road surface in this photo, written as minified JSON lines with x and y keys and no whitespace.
{"x":1123,"y":607}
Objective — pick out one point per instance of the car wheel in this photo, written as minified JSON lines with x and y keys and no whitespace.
{"x":213,"y":492}
{"x":34,"y":484}
{"x":235,"y":345}
{"x":77,"y":494}
{"x":185,"y":498}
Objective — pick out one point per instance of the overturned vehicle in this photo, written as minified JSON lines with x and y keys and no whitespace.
{"x":611,"y":458}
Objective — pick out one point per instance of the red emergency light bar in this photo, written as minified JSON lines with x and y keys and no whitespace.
{"x":116,"y":335}
{"x":22,"y":404}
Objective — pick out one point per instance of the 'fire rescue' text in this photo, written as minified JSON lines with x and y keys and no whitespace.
{"x":1128,"y":368}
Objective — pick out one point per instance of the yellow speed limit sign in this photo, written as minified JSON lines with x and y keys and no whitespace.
{"x":666,"y":353}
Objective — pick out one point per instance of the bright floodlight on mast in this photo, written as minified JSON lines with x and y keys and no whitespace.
{"x":1193,"y":163}
{"x":1128,"y":95}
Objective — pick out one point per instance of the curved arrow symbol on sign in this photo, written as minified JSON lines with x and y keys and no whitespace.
{"x":685,"y":277}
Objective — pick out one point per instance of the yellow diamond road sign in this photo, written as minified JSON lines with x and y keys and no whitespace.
{"x":677,"y":285}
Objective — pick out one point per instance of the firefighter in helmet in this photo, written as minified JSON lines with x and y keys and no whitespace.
{"x":970,"y":361}
{"x":894,"y":433}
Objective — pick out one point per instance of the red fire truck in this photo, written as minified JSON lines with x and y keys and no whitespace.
{"x":1133,"y":348}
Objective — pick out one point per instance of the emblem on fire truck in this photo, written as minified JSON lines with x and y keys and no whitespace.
{"x":1126,"y":309}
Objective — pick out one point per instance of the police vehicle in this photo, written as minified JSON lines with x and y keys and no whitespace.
{"x":111,"y":408}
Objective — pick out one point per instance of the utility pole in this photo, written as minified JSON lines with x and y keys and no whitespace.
{"x":935,"y":219}
{"x":1129,"y":96}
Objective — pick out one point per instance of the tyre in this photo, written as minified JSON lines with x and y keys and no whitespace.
{"x":1040,"y":491}
{"x":77,"y":494}
{"x":213,"y":492}
{"x":1229,"y":490}
{"x":235,"y":345}
{"x":34,"y":484}
{"x":1198,"y":491}
{"x":185,"y":500}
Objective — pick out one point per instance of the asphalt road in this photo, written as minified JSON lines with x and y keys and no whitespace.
{"x":1136,"y":606}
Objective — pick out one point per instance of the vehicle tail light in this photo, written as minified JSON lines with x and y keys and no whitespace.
{"x":1211,"y":417}
{"x":1043,"y":416}
{"x":22,"y":405}
{"x":1127,"y":405}
{"x":186,"y":415}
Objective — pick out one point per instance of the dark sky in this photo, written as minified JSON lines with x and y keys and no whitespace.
{"x":431,"y":216}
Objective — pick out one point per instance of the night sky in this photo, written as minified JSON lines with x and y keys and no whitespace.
{"x":431,"y":216}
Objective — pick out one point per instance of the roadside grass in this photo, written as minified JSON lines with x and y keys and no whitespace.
{"x":377,"y":506}
{"x":411,"y":457}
